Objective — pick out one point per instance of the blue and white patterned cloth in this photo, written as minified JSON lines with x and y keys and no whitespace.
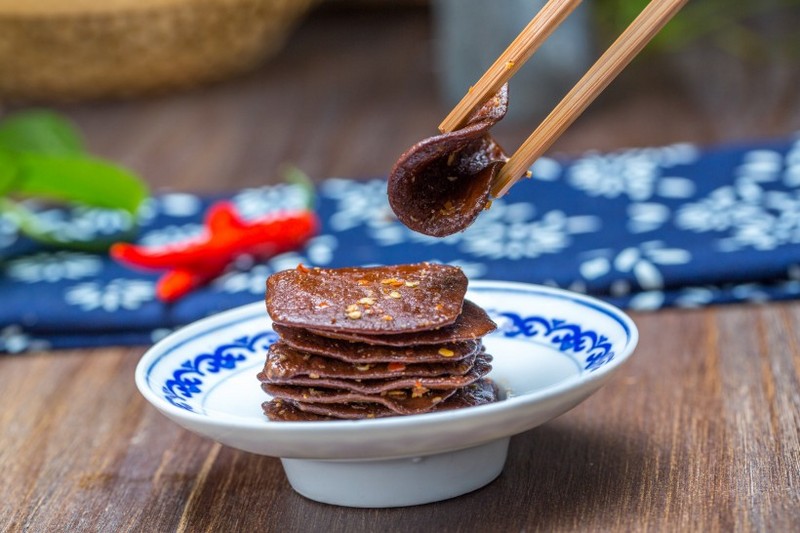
{"x":642,"y":228}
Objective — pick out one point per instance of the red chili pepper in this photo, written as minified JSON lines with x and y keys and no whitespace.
{"x":195,"y":262}
{"x":175,"y":284}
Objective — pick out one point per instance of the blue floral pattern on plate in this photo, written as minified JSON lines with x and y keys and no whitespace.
{"x":188,"y":378}
{"x":563,"y":335}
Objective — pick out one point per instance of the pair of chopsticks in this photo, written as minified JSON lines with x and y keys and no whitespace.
{"x":649,"y":22}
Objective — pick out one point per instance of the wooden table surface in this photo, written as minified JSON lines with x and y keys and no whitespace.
{"x":699,"y":432}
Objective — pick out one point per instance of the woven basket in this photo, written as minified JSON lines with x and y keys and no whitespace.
{"x":56,"y":50}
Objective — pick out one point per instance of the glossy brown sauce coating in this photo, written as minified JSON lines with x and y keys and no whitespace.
{"x":285,"y":362}
{"x":339,"y":357}
{"x":362,"y":352}
{"x":387,"y":385}
{"x":440,"y":185}
{"x":402,"y":404}
{"x":374,"y":300}
{"x":473,"y":323}
{"x":479,"y":393}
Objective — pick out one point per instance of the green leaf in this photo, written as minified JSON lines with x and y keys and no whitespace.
{"x":41,"y":132}
{"x":42,"y":156}
{"x":78,"y":179}
{"x":8,"y":173}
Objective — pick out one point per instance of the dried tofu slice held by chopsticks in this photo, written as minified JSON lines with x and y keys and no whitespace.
{"x":440,"y":185}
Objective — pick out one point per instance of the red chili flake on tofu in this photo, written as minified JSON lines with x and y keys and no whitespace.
{"x":418,"y":390}
{"x":396,"y":367}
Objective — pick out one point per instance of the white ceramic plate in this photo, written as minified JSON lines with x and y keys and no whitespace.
{"x":552,"y":349}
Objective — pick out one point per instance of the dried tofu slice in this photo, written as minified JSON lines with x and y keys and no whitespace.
{"x":286,"y":363}
{"x":287,"y":411}
{"x":361,"y":353}
{"x":479,"y":393}
{"x":440,"y":185}
{"x":401,"y":402}
{"x":473,"y":323}
{"x":352,"y":411}
{"x":377,"y":300}
{"x":414,"y":384}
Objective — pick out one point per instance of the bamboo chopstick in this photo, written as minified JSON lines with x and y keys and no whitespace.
{"x":521,"y":48}
{"x":654,"y":16}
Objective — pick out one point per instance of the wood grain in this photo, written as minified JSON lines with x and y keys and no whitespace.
{"x":699,"y":432}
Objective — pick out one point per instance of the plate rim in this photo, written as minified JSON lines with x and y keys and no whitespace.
{"x":237,"y":314}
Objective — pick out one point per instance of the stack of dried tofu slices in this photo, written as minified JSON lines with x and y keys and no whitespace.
{"x":374,"y":342}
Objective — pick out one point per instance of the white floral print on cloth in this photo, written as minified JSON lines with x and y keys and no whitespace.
{"x":643,"y":228}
